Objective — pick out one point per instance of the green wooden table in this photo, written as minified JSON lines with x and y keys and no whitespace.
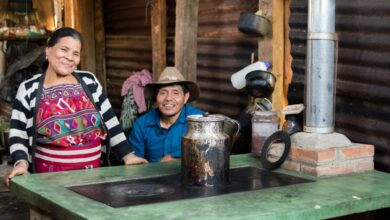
{"x":323,"y":198}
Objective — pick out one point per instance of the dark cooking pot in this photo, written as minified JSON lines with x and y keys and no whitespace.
{"x":260,"y":83}
{"x":251,"y":23}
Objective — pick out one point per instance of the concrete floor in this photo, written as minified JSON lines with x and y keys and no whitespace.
{"x":10,"y":206}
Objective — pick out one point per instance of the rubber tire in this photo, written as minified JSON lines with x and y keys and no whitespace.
{"x":277,"y":136}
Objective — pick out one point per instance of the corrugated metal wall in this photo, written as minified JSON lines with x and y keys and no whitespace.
{"x":363,"y":85}
{"x":222,"y":49}
{"x":128,"y":43}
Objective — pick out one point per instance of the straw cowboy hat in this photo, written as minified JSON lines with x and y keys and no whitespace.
{"x":171,"y":76}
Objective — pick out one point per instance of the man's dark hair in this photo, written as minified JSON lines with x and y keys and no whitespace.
{"x":184,"y":87}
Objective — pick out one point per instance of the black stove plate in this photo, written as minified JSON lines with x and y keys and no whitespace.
{"x":169,"y":188}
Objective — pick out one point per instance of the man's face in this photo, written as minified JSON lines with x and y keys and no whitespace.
{"x":171,"y":99}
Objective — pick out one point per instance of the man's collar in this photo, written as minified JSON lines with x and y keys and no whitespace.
{"x":183,"y":115}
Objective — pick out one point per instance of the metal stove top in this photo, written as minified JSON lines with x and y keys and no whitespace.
{"x":169,"y":188}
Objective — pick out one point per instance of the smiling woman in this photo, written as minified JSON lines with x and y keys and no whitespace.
{"x":66,"y":117}
{"x":63,"y":56}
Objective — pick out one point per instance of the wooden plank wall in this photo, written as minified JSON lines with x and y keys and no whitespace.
{"x":128,"y":43}
{"x":100,"y":44}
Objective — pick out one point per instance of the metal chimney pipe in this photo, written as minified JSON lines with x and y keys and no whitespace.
{"x":320,"y":67}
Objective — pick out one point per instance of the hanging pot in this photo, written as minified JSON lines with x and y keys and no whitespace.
{"x":259,"y":83}
{"x":254,"y":24}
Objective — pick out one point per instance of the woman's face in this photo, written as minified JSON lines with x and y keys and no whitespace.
{"x":64,"y":56}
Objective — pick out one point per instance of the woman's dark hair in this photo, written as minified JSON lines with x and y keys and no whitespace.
{"x":57,"y":36}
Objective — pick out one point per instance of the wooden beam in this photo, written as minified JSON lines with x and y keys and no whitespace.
{"x":276,"y":48}
{"x":186,"y":33}
{"x":288,"y":73}
{"x":78,"y":16}
{"x":159,"y":37}
{"x":100,"y":44}
{"x":265,"y":42}
{"x":278,"y":55}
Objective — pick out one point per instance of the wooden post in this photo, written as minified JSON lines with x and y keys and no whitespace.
{"x":278,"y":56}
{"x":159,"y":37}
{"x":276,"y":48}
{"x":186,"y":33}
{"x":78,"y":15}
{"x":287,"y":52}
{"x":265,"y":42}
{"x":100,"y":44}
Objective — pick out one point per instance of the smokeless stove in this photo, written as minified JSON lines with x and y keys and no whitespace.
{"x":169,"y":188}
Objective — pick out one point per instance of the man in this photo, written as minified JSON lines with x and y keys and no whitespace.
{"x":156,"y":136}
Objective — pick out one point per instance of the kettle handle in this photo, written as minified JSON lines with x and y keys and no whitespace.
{"x":237,"y":125}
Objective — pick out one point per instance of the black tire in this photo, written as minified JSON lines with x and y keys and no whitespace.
{"x":279,"y":136}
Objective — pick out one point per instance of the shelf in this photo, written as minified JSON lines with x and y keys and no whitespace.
{"x":14,"y":38}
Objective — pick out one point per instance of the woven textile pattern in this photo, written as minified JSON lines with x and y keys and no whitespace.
{"x":67,"y":117}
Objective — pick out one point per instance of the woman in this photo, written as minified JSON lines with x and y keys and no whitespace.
{"x":62,"y":117}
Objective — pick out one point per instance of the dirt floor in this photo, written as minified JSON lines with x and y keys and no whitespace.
{"x":10,"y":206}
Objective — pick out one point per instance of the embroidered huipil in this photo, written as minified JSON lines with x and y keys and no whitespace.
{"x":69,"y":130}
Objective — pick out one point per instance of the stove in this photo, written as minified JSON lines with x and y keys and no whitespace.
{"x":169,"y":187}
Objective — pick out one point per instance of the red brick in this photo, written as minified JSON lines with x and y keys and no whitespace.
{"x":328,"y":170}
{"x":364,"y":166}
{"x":313,"y":156}
{"x":357,"y":151}
{"x":355,"y":166}
{"x":292,"y":165}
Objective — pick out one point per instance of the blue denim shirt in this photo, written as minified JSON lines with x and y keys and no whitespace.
{"x":152,"y":142}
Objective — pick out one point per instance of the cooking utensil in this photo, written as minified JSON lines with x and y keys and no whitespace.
{"x":254,"y":24}
{"x":260,"y":83}
{"x":205,"y":151}
{"x":275,"y":150}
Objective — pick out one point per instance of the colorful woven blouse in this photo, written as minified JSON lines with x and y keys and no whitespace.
{"x":69,"y":130}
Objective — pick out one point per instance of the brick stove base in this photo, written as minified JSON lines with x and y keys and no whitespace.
{"x":332,"y":160}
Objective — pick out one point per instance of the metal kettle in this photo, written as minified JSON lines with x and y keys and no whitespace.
{"x":205,"y":151}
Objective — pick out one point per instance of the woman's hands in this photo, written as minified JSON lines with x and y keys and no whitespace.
{"x":20,"y":168}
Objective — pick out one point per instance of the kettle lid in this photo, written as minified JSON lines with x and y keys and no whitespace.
{"x":205,"y":117}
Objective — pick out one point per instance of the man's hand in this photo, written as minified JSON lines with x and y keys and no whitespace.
{"x":19,"y":169}
{"x":131,"y":159}
{"x":168,"y":158}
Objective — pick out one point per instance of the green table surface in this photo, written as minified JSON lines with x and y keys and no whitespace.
{"x":324,"y":198}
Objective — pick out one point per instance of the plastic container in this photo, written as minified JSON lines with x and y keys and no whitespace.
{"x":238,"y":78}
